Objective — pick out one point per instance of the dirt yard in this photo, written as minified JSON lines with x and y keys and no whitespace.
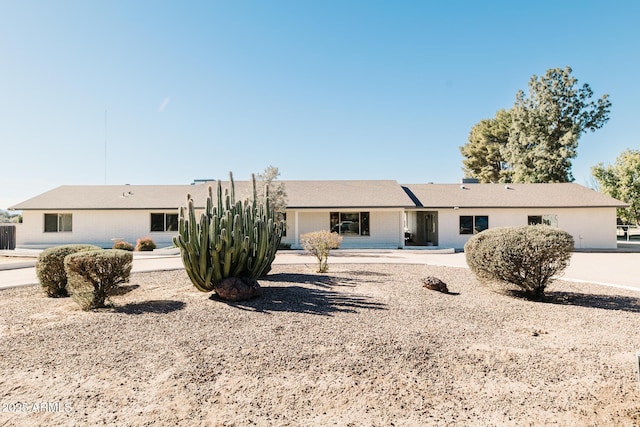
{"x":363,"y":345}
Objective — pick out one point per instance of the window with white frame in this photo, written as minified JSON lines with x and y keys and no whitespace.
{"x":349,"y":223}
{"x":164,"y":222}
{"x":57,"y":223}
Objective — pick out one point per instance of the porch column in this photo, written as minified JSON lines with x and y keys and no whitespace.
{"x":401,"y":229}
{"x":296,"y":235}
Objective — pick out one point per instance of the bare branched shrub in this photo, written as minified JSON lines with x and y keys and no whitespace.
{"x":319,"y":243}
{"x":94,"y":275}
{"x":528,"y":257}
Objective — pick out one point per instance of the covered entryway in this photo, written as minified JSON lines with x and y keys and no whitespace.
{"x":421,"y":228}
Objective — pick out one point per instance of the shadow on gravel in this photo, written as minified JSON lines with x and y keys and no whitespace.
{"x":606,"y":302}
{"x":157,"y":306}
{"x":323,"y":280}
{"x":298,"y":299}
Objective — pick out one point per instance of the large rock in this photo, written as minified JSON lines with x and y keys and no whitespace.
{"x":238,"y":288}
{"x":433,"y":283}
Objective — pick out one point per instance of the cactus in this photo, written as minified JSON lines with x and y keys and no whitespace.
{"x":231,"y":239}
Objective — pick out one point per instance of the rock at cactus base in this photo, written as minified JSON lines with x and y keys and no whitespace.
{"x":433,"y":283}
{"x":238,"y":289}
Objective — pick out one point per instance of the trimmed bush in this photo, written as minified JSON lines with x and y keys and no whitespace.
{"x":528,"y":257}
{"x":319,"y":243}
{"x":145,"y":244}
{"x":123,"y":245}
{"x":50,"y":268}
{"x":94,"y":275}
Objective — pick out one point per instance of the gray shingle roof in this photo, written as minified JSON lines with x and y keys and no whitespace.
{"x":511,"y":195}
{"x":327,"y":194}
{"x":346,"y":194}
{"x":300,"y":194}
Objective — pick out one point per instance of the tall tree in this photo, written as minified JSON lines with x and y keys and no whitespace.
{"x":277,"y":192}
{"x":483,"y":153}
{"x":547,"y":125}
{"x":622,"y":181}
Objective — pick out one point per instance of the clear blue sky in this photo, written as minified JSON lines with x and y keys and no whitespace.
{"x":320,"y":89}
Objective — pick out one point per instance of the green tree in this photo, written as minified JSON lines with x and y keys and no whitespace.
{"x":622,"y":181}
{"x":547,"y":125}
{"x":483,"y":157}
{"x":277,"y":192}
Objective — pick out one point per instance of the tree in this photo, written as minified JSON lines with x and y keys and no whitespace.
{"x":483,"y":153}
{"x":9,"y":217}
{"x":547,"y":125}
{"x":277,"y":192}
{"x":622,"y":181}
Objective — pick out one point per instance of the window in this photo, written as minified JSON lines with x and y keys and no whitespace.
{"x":551,"y":220}
{"x":350,"y":223}
{"x":164,"y":222}
{"x":473,"y":224}
{"x":56,"y":223}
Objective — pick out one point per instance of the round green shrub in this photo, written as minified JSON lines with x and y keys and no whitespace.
{"x":50,"y":268}
{"x":122,"y":244}
{"x":145,"y":244}
{"x":528,"y":257}
{"x":94,"y":275}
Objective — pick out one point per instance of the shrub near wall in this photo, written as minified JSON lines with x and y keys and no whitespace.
{"x":145,"y":244}
{"x":94,"y":275}
{"x":528,"y":257}
{"x":122,"y":244}
{"x":50,"y":268}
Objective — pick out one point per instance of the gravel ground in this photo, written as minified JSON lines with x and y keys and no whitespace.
{"x":363,"y":345}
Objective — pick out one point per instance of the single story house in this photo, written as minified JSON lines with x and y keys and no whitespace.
{"x":368,"y":213}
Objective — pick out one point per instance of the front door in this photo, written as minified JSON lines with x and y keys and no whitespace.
{"x":430,"y":229}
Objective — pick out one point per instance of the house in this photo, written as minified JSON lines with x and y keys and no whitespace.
{"x":368,"y":213}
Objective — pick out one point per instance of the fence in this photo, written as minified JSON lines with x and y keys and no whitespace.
{"x":7,"y":236}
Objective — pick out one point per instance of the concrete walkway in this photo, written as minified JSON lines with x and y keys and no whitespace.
{"x":619,"y":269}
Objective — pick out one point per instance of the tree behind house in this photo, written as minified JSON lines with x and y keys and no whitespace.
{"x":483,"y":153}
{"x":543,"y":134}
{"x":277,"y":192}
{"x":622,"y":181}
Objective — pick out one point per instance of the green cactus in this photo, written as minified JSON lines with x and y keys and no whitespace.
{"x":231,"y":239}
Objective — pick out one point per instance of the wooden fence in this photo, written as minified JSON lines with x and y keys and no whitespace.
{"x":7,"y":236}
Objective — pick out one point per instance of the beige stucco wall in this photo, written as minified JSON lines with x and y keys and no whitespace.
{"x":92,"y":226}
{"x":590,"y":227}
{"x":385,"y":227}
{"x":593,"y":228}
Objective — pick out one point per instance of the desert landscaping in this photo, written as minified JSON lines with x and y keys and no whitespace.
{"x":362,"y":345}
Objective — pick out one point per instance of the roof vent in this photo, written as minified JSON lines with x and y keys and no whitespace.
{"x":462,"y":187}
{"x":507,"y":187}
